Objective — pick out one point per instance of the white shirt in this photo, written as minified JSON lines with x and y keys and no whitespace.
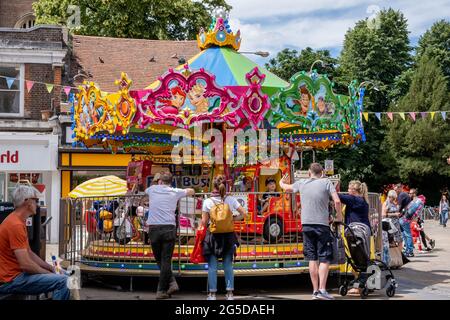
{"x":163,"y":202}
{"x":229,"y":200}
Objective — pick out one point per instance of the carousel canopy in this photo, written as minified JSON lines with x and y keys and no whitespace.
{"x":218,"y":85}
{"x":230,"y":68}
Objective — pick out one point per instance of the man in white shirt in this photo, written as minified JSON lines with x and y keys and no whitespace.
{"x":163,"y":200}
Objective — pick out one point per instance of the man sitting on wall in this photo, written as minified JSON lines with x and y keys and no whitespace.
{"x":21,"y":270}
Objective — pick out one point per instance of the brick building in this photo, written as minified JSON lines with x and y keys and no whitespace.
{"x":38,"y":149}
{"x":16,"y":14}
{"x":28,"y":141}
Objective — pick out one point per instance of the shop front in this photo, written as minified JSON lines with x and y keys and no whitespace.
{"x":31,"y":158}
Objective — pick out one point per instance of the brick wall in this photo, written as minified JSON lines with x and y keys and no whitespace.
{"x":43,"y":34}
{"x":38,"y":98}
{"x":12,"y":10}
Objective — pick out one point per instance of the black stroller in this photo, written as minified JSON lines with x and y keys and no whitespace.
{"x":372,"y":274}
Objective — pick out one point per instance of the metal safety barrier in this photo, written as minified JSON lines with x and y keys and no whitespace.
{"x":107,"y":234}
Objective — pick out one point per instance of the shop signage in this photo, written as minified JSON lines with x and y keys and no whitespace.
{"x":194,"y":182}
{"x":27,"y":157}
{"x":9,"y":157}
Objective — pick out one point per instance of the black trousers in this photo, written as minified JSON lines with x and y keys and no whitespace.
{"x":424,"y":240}
{"x":162,"y":238}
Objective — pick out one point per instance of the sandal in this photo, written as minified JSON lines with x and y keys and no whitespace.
{"x":354,"y":292}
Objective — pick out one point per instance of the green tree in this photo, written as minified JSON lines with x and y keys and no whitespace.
{"x":379,"y":53}
{"x":145,"y":19}
{"x":288,"y":62}
{"x":420,"y":149}
{"x":436,"y":43}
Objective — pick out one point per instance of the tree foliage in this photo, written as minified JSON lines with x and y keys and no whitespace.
{"x":288,"y":62}
{"x":436,"y":43}
{"x":144,"y":19}
{"x":420,"y":148}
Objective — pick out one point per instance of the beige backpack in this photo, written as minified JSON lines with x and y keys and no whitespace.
{"x":221,"y":218}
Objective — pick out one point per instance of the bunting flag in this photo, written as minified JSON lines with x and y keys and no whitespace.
{"x":10,"y":82}
{"x":29,"y":85}
{"x":366,"y":116}
{"x":432,"y":115}
{"x":378,"y":115}
{"x":413,"y":115}
{"x":390,"y":116}
{"x":444,"y":115}
{"x":424,"y":115}
{"x":49,"y":87}
{"x":402,"y":115}
{"x":67,"y":90}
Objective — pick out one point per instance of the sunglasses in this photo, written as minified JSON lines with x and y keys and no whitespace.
{"x":35,"y":199}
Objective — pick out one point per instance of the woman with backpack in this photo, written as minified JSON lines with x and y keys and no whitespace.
{"x":220,"y":241}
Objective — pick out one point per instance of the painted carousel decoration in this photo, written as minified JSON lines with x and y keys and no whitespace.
{"x":91,"y":112}
{"x":309,"y":111}
{"x":184,"y":99}
{"x":219,"y":34}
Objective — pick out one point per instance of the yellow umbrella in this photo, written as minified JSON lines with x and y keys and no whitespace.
{"x":106,"y":186}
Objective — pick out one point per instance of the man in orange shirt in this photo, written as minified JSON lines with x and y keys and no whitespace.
{"x":21,"y":270}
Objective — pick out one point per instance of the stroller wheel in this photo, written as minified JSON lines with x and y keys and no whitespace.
{"x":390,"y":291}
{"x":364,"y":293}
{"x":343,"y":290}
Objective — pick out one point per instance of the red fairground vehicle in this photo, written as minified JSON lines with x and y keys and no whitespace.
{"x":282,"y":216}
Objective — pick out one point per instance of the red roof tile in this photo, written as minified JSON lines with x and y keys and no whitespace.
{"x":128,"y":55}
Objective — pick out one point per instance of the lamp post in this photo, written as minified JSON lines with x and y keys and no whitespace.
{"x":263,"y":54}
{"x":321,"y":63}
{"x":368,"y":82}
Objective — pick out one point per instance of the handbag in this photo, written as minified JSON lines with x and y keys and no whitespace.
{"x":396,"y":257}
{"x":197,"y":253}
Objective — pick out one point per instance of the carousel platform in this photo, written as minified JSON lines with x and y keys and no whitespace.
{"x":136,"y":259}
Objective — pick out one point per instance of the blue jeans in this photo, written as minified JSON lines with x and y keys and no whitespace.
{"x":34,"y":284}
{"x":444,"y":217}
{"x":228,"y":269}
{"x":406,"y":234}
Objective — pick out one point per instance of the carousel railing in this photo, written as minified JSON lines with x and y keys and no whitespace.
{"x":267,"y":240}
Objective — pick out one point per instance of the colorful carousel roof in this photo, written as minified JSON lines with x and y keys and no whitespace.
{"x":218,"y":85}
{"x":230,"y":68}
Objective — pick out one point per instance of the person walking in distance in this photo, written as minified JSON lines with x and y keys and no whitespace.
{"x":443,"y":210}
{"x":315,"y":194}
{"x":163,"y":200}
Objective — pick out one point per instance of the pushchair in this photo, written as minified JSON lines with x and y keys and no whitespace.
{"x":372,"y":274}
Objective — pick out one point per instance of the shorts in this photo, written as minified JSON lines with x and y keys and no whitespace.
{"x":317,"y":243}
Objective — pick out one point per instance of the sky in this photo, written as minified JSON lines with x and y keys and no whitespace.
{"x":272,"y":25}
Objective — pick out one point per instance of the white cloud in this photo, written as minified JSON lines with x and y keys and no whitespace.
{"x":273,"y":25}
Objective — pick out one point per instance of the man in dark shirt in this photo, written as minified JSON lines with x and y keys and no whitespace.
{"x":403,"y":198}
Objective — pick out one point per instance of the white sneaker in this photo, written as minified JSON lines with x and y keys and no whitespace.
{"x":324,"y":295}
{"x":315,"y":295}
{"x":229,"y":296}
{"x":211,"y":296}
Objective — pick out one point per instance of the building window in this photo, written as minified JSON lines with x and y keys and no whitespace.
{"x":12,"y":94}
{"x":26,"y":22}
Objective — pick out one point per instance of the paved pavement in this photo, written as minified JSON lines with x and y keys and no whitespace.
{"x":426,"y":277}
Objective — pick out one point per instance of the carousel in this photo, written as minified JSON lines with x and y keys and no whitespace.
{"x":169,"y":125}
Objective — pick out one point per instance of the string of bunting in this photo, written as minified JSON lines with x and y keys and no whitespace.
{"x":29,"y":85}
{"x":412,"y":115}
